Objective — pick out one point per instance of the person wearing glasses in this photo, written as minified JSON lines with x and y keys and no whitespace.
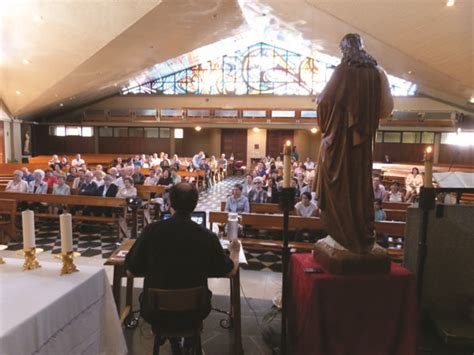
{"x":258,"y":194}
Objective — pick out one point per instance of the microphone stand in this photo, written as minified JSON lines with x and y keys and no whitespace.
{"x":287,"y":201}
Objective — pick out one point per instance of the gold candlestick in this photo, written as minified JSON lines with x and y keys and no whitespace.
{"x":2,"y":247}
{"x":30,"y":259}
{"x":68,"y":262}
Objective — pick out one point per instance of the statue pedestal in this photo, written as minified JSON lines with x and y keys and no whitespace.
{"x":344,"y":262}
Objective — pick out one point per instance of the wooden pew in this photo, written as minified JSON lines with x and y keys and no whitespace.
{"x":144,"y":192}
{"x":267,"y":221}
{"x":7,"y":224}
{"x":75,"y":200}
{"x":271,"y":208}
{"x":396,"y":205}
{"x":396,"y":215}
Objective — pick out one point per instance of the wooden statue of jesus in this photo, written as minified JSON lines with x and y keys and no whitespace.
{"x":349,"y":109}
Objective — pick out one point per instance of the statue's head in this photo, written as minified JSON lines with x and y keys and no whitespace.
{"x":350,"y":42}
{"x":353,"y":52}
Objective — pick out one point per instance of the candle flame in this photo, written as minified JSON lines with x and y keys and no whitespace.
{"x":288,"y":143}
{"x":429,"y":150}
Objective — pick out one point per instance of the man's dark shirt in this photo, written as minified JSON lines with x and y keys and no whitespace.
{"x":89,"y":189}
{"x":177,"y":253}
{"x":110,"y":192}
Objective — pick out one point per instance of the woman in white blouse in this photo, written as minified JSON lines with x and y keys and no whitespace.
{"x":413,"y":183}
{"x":394,"y":195}
{"x":17,"y":184}
{"x":128,"y":190}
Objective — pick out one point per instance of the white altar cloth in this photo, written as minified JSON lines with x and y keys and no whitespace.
{"x":44,"y":313}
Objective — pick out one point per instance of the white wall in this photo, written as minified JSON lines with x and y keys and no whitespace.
{"x":256,"y":138}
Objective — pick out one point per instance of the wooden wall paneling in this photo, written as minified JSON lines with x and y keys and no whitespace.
{"x":234,"y":141}
{"x":133,"y":145}
{"x":400,"y":152}
{"x":456,"y":155}
{"x":276,"y":138}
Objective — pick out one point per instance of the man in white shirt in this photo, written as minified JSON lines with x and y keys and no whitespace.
{"x":78,"y":161}
{"x":309,"y":164}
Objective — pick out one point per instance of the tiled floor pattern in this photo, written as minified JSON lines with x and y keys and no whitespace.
{"x":94,"y":240}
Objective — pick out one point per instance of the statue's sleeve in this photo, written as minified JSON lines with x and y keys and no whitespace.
{"x":386,"y":101}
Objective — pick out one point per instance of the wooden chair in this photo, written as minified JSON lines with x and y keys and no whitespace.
{"x":168,"y":309}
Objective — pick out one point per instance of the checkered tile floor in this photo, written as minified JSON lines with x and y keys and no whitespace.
{"x":99,"y":240}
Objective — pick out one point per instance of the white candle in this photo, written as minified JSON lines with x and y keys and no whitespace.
{"x":286,"y":164}
{"x":65,"y":226}
{"x":428,"y":167}
{"x":28,"y":223}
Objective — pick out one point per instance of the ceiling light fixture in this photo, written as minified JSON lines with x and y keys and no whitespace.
{"x":25,"y":61}
{"x":314,"y":130}
{"x":61,"y":104}
{"x":197,"y":128}
{"x":450,"y":3}
{"x":256,"y":129}
{"x":410,"y":72}
{"x":18,"y":92}
{"x":471,"y":100}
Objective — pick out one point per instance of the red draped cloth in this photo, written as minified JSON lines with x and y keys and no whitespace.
{"x":351,"y":315}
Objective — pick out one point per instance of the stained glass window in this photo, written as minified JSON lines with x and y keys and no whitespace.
{"x":257,"y":69}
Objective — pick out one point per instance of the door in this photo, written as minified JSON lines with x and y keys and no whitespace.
{"x":234,"y":141}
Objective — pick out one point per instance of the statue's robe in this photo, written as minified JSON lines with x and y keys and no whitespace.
{"x":349,"y":109}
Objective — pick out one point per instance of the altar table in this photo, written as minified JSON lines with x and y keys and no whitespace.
{"x":44,"y":313}
{"x":351,"y":315}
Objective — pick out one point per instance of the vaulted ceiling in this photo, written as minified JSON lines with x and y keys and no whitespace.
{"x":65,"y":53}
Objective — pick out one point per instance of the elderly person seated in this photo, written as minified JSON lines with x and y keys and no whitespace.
{"x":60,"y":188}
{"x":151,"y":179}
{"x":85,"y":188}
{"x":258,"y":194}
{"x":108,"y":189}
{"x":79,"y":179}
{"x":99,"y":177}
{"x":88,"y":187}
{"x":125,"y":172}
{"x":17,"y":184}
{"x":38,"y":186}
{"x":128,"y":190}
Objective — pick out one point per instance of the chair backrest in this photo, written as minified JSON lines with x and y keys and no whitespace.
{"x":179,"y":300}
